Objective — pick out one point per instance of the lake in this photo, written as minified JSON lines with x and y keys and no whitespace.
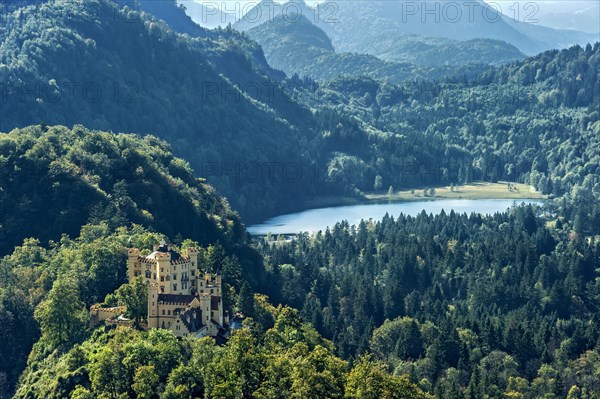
{"x":313,"y":220}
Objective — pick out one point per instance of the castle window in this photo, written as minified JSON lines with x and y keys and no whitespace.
{"x":174,"y":287}
{"x":162,"y":278}
{"x":162,"y":289}
{"x":169,"y":312}
{"x":163,"y":312}
{"x":175,"y":276}
{"x":193,"y":273}
{"x":148,"y":274}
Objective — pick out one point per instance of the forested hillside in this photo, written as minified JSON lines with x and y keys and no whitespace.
{"x":155,"y":82}
{"x":94,"y":194}
{"x":53,"y":180}
{"x":118,"y":117}
{"x":282,"y":358}
{"x":468,"y":306}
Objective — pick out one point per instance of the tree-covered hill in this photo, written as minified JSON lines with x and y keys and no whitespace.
{"x":268,"y":142}
{"x":72,"y":201}
{"x":53,"y":180}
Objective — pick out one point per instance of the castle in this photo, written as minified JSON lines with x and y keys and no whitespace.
{"x":180,"y":297}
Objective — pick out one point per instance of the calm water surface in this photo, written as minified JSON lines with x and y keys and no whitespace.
{"x":314,"y":220}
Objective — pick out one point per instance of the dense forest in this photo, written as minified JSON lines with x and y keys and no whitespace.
{"x":191,"y":91}
{"x":112,"y":192}
{"x":467,"y":306}
{"x":287,"y":359}
{"x":537,"y":121}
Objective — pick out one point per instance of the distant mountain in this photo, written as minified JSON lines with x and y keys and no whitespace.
{"x":355,"y":26}
{"x":583,"y":15}
{"x":389,"y":29}
{"x":300,"y":47}
{"x":262,"y":12}
{"x":207,"y":15}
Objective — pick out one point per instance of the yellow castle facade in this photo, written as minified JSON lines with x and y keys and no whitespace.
{"x":180,"y":297}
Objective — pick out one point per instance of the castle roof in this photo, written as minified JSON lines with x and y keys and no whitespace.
{"x":192,"y":319}
{"x":161,"y":251}
{"x":176,"y":299}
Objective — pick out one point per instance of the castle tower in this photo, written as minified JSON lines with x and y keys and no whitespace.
{"x":163,"y":272}
{"x":194,"y":269}
{"x":153,"y":316}
{"x":133,"y":264}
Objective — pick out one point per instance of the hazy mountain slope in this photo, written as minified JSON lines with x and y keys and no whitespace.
{"x":392,"y":44}
{"x":268,"y":10}
{"x":583,"y":15}
{"x":300,"y":47}
{"x":155,"y":82}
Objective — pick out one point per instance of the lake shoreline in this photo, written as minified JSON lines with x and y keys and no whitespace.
{"x":476,"y":190}
{"x":319,"y":219}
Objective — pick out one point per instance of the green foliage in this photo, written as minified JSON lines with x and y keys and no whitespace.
{"x":225,"y":118}
{"x":134,"y":296}
{"x":369,"y":380}
{"x":155,"y":364}
{"x":533,"y":122}
{"x":62,"y":315}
